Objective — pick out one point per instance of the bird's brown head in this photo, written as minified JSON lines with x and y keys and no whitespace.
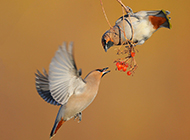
{"x":107,"y":41}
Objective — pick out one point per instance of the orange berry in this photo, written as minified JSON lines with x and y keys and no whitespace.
{"x":121,"y":63}
{"x":132,"y":54}
{"x":129,"y":73}
{"x":117,"y":64}
{"x":126,"y":65}
{"x":124,"y":68}
{"x":119,"y":67}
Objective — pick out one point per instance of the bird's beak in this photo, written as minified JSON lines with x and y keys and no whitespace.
{"x":107,"y":43}
{"x":104,"y":71}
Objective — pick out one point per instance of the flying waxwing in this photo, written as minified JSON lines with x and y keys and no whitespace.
{"x":144,"y":24}
{"x":65,"y":87}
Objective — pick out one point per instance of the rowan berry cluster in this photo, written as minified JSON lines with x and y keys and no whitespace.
{"x":127,"y":64}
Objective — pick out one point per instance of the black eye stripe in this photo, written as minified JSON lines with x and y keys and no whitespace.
{"x":100,"y":70}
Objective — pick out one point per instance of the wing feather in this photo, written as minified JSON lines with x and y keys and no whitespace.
{"x":63,"y":75}
{"x":42,"y":86}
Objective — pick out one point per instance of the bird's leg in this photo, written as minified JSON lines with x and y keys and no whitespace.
{"x":78,"y":116}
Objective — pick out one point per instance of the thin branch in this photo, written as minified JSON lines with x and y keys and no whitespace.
{"x":105,"y":14}
{"x":127,"y":11}
{"x":124,"y":26}
{"x":132,"y":29}
{"x":126,"y":8}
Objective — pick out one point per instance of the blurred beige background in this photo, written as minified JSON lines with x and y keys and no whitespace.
{"x":154,"y":104}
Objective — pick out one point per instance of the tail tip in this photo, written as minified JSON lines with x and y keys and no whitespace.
{"x":56,"y":126}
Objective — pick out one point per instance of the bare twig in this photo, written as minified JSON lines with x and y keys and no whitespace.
{"x":127,"y":11}
{"x":131,"y":28}
{"x":105,"y":14}
{"x":124,"y":26}
{"x":126,"y":8}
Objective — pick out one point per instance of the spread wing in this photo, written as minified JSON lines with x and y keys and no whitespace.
{"x":42,"y":86}
{"x":64,"y":79}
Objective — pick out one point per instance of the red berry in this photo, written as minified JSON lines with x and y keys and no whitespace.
{"x":126,"y":65}
{"x":124,"y":68}
{"x":119,"y":67}
{"x":129,"y":73}
{"x":117,"y":64}
{"x":133,"y":54}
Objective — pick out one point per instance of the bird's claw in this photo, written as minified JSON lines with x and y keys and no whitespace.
{"x":78,"y":116}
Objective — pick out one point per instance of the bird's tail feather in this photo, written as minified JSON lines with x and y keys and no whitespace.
{"x":58,"y":122}
{"x":165,"y":14}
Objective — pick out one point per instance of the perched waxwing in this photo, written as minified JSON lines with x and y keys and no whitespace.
{"x":65,"y":87}
{"x":144,"y":24}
